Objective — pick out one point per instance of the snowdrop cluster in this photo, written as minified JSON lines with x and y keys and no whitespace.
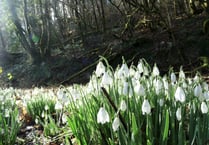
{"x":144,"y":83}
{"x":138,"y":95}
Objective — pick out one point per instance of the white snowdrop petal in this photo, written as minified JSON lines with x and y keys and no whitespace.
{"x":123,"y":106}
{"x":58,"y":106}
{"x":43,"y":114}
{"x":180,"y":95}
{"x":102,"y":116}
{"x":198,"y":91}
{"x":206,"y":95}
{"x":46,"y":107}
{"x":64,"y":118}
{"x":204,"y":108}
{"x":139,"y":89}
{"x":181,"y":74}
{"x":158,"y":86}
{"x":116,"y":124}
{"x":140,"y":67}
{"x":155,"y":71}
{"x":161,"y":102}
{"x":205,"y":86}
{"x":146,"y":108}
{"x":125,"y":88}
{"x":173,"y":77}
{"x":106,"y":79}
{"x":6,"y":113}
{"x":100,"y":69}
{"x":178,"y":114}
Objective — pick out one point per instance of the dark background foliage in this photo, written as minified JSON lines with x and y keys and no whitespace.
{"x":54,"y":42}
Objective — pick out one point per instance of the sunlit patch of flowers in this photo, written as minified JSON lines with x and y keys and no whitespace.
{"x":129,"y":105}
{"x":9,"y":117}
{"x":136,"y":105}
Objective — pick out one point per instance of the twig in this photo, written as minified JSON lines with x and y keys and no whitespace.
{"x":114,"y":107}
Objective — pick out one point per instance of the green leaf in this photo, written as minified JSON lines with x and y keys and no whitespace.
{"x":134,"y":125}
{"x":166,"y":127}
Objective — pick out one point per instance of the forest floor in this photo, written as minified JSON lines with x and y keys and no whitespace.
{"x":188,"y":46}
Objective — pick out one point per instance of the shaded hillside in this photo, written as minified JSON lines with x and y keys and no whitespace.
{"x":187,"y":48}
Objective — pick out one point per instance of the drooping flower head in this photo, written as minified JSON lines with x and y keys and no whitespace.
{"x":123,"y":71}
{"x":123,"y":106}
{"x":178,"y":114}
{"x":103,"y":116}
{"x":158,"y":86}
{"x":155,"y":71}
{"x":106,"y":79}
{"x":173,"y":77}
{"x":146,"y":108}
{"x":100,"y":69}
{"x":116,"y":124}
{"x":181,"y":74}
{"x":180,"y":95}
{"x":204,"y":108}
{"x":198,"y":91}
{"x":140,"y":67}
{"x":139,"y":89}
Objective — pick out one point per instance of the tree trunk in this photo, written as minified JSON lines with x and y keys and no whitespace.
{"x":31,"y":50}
{"x":103,"y":16}
{"x":95,"y":15}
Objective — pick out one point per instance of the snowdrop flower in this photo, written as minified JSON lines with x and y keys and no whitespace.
{"x":139,"y":89}
{"x":189,"y":80}
{"x":165,"y":82}
{"x":106,"y":79}
{"x":62,"y":97}
{"x":146,"y":108}
{"x":1,"y":97}
{"x":205,"y":86}
{"x":132,"y":71}
{"x":140,"y":67}
{"x":196,"y":78}
{"x":155,"y":71}
{"x":61,"y":94}
{"x":184,"y":85}
{"x":102,"y":116}
{"x":58,"y":106}
{"x":180,"y":95}
{"x":100,"y":69}
{"x":6,"y":113}
{"x":116,"y":124}
{"x":204,"y":108}
{"x":137,"y":75}
{"x":198,"y":91}
{"x":36,"y":121}
{"x":75,"y":94}
{"x":123,"y":71}
{"x":158,"y":86}
{"x":46,"y":107}
{"x":173,"y":77}
{"x":146,"y":71}
{"x":206,"y":96}
{"x":43,"y":114}
{"x":161,"y":102}
{"x":166,"y":85}
{"x":125,"y":88}
{"x":64,"y":118}
{"x":123,"y":106}
{"x":181,"y":74}
{"x":178,"y":114}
